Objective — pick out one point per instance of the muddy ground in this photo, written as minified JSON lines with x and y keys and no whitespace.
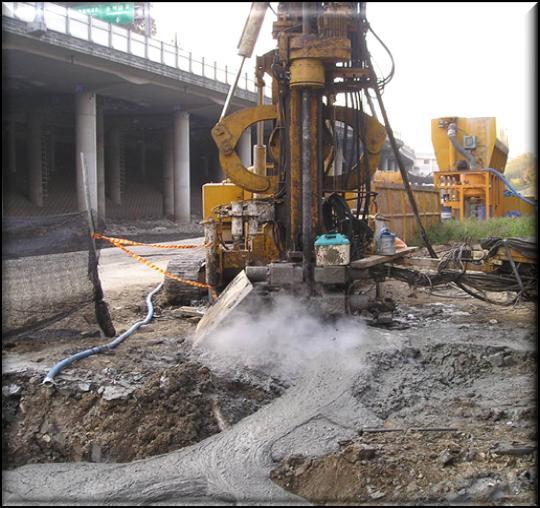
{"x":459,"y":409}
{"x":143,"y":399}
{"x":441,"y":408}
{"x":459,"y":419}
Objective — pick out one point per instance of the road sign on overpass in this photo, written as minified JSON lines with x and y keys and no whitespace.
{"x":122,"y":13}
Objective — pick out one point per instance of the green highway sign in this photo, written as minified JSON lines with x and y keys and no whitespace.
{"x":119,"y":13}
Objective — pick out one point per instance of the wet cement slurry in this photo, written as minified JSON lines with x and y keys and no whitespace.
{"x":231,"y":467}
{"x":451,"y":348}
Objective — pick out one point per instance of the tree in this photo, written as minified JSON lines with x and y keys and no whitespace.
{"x":522,"y":171}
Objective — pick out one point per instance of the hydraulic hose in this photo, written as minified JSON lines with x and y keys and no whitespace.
{"x":511,"y":188}
{"x":48,"y":381}
{"x":452,"y":135}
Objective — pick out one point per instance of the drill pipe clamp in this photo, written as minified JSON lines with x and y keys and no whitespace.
{"x":226,"y":134}
{"x":223,"y":138}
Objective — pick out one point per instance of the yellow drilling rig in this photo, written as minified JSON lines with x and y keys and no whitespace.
{"x":298,"y":221}
{"x":299,"y":218}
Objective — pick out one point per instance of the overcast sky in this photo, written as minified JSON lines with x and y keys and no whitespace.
{"x":463,"y":59}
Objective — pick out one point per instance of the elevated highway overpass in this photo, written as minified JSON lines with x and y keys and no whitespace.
{"x":140,"y":110}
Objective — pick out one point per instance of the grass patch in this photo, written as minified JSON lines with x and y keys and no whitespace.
{"x":476,"y":230}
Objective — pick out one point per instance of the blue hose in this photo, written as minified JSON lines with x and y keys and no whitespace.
{"x":511,"y":187}
{"x":106,"y":347}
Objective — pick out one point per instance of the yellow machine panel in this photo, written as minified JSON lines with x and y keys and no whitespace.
{"x":513,"y":205}
{"x":478,"y":136}
{"x":216,"y":194}
{"x":472,"y":156}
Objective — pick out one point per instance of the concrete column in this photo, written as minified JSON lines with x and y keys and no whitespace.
{"x":168,"y":174}
{"x":182,"y":205}
{"x":86,"y":143}
{"x":12,"y":147}
{"x":52,"y":150}
{"x":142,"y":156}
{"x":244,"y":148}
{"x":100,"y":142}
{"x":116,"y":156}
{"x":35,"y":157}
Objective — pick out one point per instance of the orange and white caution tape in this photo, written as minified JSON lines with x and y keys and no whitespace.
{"x":118,"y":242}
{"x":122,"y":241}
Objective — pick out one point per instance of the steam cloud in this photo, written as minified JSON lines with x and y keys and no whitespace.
{"x":281,"y":339}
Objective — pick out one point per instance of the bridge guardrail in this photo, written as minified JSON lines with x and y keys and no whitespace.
{"x":70,"y":22}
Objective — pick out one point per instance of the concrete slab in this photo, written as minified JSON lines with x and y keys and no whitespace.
{"x":233,"y":296}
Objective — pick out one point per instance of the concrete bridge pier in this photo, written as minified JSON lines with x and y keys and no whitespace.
{"x":86,"y":143}
{"x":52,"y":148}
{"x":142,"y":155}
{"x":116,"y":165}
{"x":168,"y":174}
{"x":100,"y":163}
{"x":35,"y":157}
{"x":12,"y":147}
{"x":182,"y":198}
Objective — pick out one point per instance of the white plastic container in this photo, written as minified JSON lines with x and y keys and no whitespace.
{"x":386,"y":243}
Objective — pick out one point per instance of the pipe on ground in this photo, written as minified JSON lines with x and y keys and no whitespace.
{"x":49,"y":379}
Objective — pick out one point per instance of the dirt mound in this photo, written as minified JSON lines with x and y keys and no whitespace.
{"x":476,"y":408}
{"x":415,"y":467}
{"x":175,"y":407}
{"x":460,"y":365}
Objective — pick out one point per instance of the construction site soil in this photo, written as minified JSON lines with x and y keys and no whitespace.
{"x":436,"y":407}
{"x":144,"y":399}
{"x":458,"y":410}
